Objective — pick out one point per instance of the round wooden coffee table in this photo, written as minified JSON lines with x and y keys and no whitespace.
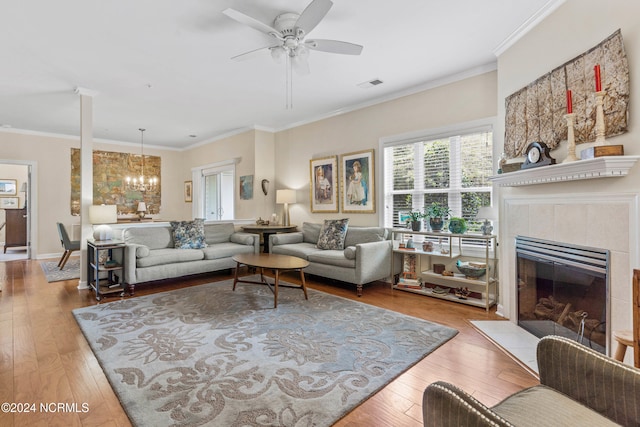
{"x":276,"y":262}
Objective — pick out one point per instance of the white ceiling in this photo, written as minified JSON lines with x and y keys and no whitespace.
{"x":165,"y":65}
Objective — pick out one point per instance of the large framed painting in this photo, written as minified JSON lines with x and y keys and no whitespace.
{"x":358,"y":182}
{"x":8,"y":187}
{"x":324,"y":184}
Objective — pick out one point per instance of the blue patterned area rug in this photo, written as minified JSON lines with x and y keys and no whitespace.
{"x":206,"y":355}
{"x":54,"y":274}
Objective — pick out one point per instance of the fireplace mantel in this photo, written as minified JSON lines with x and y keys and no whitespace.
{"x":600,"y":167}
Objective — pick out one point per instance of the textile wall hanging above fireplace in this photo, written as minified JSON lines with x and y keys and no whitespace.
{"x":110,"y":170}
{"x":536,"y":112}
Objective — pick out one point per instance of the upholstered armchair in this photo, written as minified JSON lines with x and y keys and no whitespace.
{"x":578,"y":386}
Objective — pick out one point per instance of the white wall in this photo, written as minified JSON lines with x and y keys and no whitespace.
{"x":555,"y":209}
{"x":463,"y":101}
{"x":52,"y":156}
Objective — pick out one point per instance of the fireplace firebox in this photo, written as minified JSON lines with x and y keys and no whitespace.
{"x":563,"y":289}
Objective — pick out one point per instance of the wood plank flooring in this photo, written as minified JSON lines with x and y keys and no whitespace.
{"x":44,"y":358}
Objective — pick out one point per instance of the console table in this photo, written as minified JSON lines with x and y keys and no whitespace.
{"x":266,"y":230}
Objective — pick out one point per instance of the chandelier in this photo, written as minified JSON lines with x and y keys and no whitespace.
{"x":140,"y":184}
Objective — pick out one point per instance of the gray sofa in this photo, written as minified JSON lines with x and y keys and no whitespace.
{"x":366,"y":257}
{"x":578,"y":387}
{"x":150,"y":253}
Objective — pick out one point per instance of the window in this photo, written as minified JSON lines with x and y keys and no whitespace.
{"x":213,"y":190}
{"x":452,"y":168}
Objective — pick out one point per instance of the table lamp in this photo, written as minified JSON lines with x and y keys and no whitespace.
{"x":286,"y":197}
{"x":488,"y":213}
{"x":142,"y":209}
{"x":102,"y":215}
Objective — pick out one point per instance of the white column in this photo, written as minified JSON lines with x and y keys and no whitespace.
{"x":86,"y":176}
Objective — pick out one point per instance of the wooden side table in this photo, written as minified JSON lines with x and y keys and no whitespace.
{"x":266,"y":230}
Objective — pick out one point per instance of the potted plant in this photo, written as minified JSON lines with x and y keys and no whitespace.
{"x":436,"y":213}
{"x":457,"y":225}
{"x":415,"y":220}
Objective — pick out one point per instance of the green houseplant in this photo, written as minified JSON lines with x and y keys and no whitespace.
{"x":415,"y":220}
{"x":437,"y":213}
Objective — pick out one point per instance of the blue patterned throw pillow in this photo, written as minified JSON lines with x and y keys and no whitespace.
{"x":188,"y":234}
{"x":333,"y":233}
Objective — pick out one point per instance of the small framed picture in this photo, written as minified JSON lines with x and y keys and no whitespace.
{"x":188,"y":191}
{"x":324,"y":184}
{"x":9,"y":202}
{"x":246,"y":187}
{"x":8,"y":187}
{"x":358,"y":182}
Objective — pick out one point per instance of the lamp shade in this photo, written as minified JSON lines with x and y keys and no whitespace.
{"x":142,"y":207}
{"x":286,"y":196}
{"x":103,"y":214}
{"x":486,"y":212}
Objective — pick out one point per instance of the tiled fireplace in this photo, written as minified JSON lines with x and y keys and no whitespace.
{"x":563,"y":289}
{"x":605,"y":221}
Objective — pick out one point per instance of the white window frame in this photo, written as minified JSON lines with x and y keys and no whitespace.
{"x":476,"y":126}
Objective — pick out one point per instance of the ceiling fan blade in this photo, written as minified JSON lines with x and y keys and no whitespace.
{"x":313,"y":14}
{"x":250,"y":21}
{"x":251,"y":53}
{"x":334,"y":46}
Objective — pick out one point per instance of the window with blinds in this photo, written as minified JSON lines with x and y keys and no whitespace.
{"x":453,"y":170}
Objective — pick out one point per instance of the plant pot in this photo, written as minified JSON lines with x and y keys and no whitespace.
{"x":416,"y":225}
{"x":457,"y":226}
{"x":436,"y":224}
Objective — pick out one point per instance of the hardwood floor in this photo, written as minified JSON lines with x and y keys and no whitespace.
{"x":44,"y":358}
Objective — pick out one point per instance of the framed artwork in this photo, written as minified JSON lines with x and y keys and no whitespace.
{"x":324,"y":184}
{"x":188,"y":191}
{"x":403,"y":218}
{"x":8,"y":187}
{"x":9,"y":202}
{"x":358,"y":182}
{"x":246,"y":187}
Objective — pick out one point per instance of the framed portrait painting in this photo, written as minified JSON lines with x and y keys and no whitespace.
{"x":358,"y":182}
{"x":324,"y":184}
{"x":188,"y":191}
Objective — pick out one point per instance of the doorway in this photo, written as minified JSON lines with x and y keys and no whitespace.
{"x":15,"y":220}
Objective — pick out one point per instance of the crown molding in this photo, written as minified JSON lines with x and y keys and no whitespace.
{"x":528,"y":25}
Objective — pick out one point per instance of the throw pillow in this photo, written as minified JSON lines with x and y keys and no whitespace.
{"x":188,"y":234}
{"x":333,"y":233}
{"x":142,"y":251}
{"x":350,"y":252}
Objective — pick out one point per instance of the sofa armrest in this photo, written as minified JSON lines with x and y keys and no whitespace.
{"x":130,"y":262}
{"x":444,"y":405}
{"x":603,"y":384}
{"x":285,"y":239}
{"x":373,"y":261}
{"x":245,"y":238}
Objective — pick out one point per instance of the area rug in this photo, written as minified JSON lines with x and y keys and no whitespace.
{"x":207,"y":355}
{"x":53,"y":273}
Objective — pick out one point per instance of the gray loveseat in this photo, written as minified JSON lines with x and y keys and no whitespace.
{"x":366,"y":257}
{"x":150,"y":252}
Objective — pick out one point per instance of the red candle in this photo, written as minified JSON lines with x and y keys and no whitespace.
{"x":596,"y":69}
{"x":569,"y":103}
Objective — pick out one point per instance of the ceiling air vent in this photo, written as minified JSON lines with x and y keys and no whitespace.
{"x":370,"y":83}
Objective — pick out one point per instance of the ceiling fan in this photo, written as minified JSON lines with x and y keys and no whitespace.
{"x":290,"y":30}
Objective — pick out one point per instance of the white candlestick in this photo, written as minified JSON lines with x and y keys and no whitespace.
{"x":571,"y":140}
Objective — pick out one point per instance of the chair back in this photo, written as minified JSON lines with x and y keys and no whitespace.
{"x":64,"y":237}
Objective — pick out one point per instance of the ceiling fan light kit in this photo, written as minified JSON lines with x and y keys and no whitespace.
{"x":290,"y":29}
